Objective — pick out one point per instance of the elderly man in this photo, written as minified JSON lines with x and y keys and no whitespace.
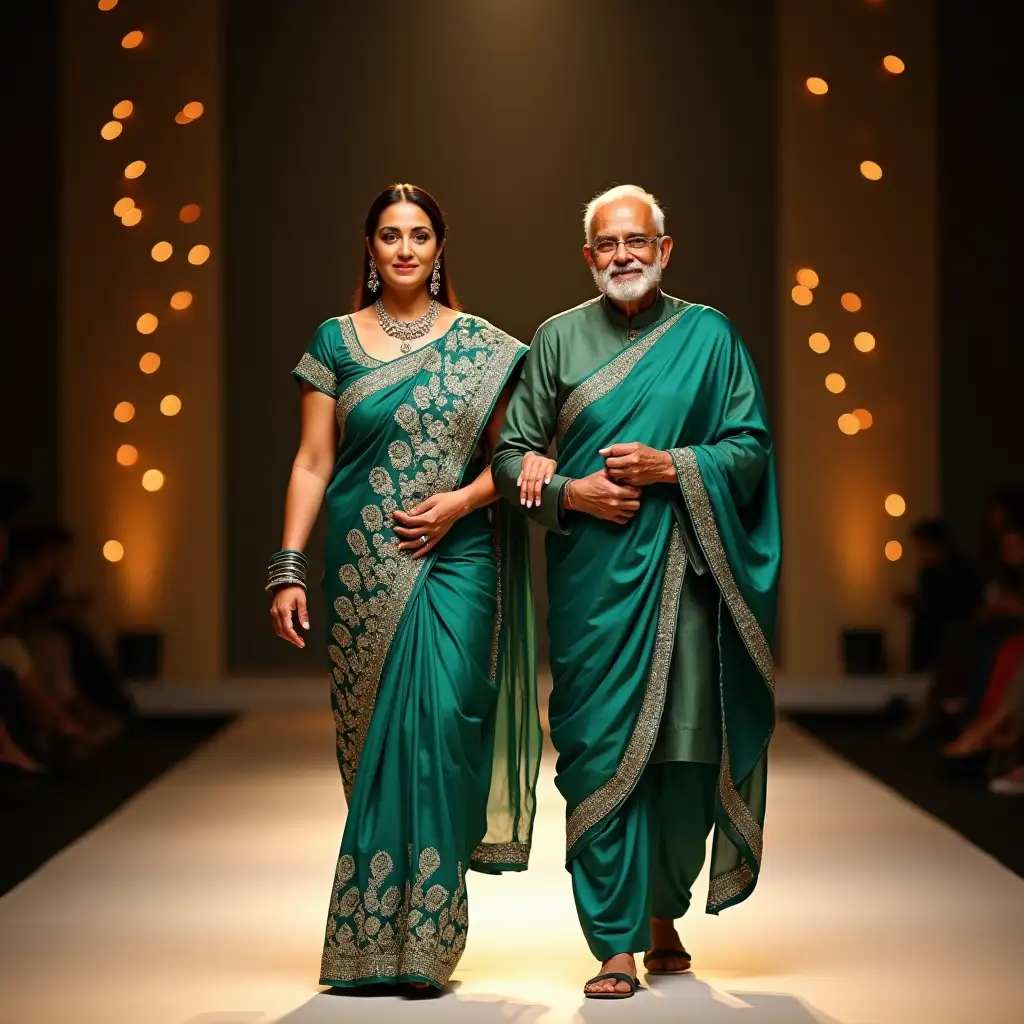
{"x":663,"y":557}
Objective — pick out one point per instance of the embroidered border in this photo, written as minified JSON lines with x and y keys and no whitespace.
{"x":703,"y":516}
{"x":311,"y":370}
{"x":613,"y":373}
{"x":502,"y":853}
{"x":351,"y":340}
{"x":608,"y":796}
{"x":728,"y":886}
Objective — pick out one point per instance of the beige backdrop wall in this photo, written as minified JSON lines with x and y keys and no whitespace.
{"x":170,"y":576}
{"x":875,"y":239}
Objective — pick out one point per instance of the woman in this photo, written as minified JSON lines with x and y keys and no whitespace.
{"x":427,"y":584}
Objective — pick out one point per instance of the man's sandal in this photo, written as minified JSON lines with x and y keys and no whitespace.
{"x":667,"y":954}
{"x":612,"y":976}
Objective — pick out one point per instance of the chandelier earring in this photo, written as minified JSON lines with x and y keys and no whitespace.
{"x":435,"y":278}
{"x":372,"y":280}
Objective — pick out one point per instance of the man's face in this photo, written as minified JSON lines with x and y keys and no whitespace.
{"x":631,"y":269}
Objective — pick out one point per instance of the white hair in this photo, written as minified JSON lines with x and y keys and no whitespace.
{"x":617,"y":193}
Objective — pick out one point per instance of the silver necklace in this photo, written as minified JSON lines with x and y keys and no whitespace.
{"x":407,"y":330}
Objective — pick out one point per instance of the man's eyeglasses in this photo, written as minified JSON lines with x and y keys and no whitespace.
{"x":634,"y":243}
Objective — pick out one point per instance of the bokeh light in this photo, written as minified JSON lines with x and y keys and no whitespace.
{"x":107,"y":5}
{"x":817,"y":86}
{"x":851,"y":302}
{"x":132,"y":217}
{"x":113,"y":550}
{"x":170,"y":405}
{"x":161,"y":251}
{"x":870,"y":170}
{"x":122,"y":206}
{"x":123,"y":109}
{"x":848,"y":423}
{"x":124,"y":411}
{"x":807,"y":277}
{"x":895,"y":505}
{"x":864,"y":418}
{"x":135,"y":169}
{"x":193,"y":110}
{"x":181,"y":117}
{"x":127,"y":455}
{"x":863,"y":341}
{"x":894,"y":551}
{"x":189,"y":213}
{"x":181,"y":300}
{"x":836,"y":383}
{"x":111,"y":130}
{"x":198,"y":254}
{"x":132,"y":39}
{"x":152,"y":479}
{"x":893,"y":65}
{"x":150,"y":362}
{"x":819,"y":343}
{"x":802,"y":295}
{"x":147,"y":323}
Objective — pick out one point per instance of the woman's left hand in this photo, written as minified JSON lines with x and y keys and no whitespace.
{"x":421,"y":528}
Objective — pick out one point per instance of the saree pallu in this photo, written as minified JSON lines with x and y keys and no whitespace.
{"x":687,"y":386}
{"x":433,"y":674}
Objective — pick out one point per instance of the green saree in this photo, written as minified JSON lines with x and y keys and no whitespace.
{"x":687,"y":386}
{"x":433,"y":681}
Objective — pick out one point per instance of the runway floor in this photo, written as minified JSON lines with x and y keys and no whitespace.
{"x":202,"y":901}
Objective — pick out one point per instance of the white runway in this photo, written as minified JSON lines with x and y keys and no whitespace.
{"x":203,"y":900}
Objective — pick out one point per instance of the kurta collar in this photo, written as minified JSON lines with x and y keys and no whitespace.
{"x":642,"y":320}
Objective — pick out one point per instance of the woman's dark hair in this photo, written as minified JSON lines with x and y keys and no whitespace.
{"x":428,"y":204}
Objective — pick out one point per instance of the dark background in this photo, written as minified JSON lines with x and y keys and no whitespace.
{"x":513,"y":115}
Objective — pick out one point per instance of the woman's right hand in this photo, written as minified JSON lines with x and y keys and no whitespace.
{"x":289,"y":601}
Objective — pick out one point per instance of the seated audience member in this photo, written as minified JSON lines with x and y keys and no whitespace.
{"x":945,"y":598}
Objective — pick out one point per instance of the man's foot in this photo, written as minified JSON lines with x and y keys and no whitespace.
{"x":621,"y":963}
{"x":667,"y":954}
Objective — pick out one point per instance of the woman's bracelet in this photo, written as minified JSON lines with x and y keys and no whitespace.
{"x":286,"y":569}
{"x":567,"y":504}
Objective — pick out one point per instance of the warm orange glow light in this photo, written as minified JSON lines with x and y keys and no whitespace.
{"x":817,"y":86}
{"x":864,"y":418}
{"x":123,"y":109}
{"x":870,"y":170}
{"x":848,"y":423}
{"x":146,"y":324}
{"x":895,"y":505}
{"x":170,"y":405}
{"x":161,"y":251}
{"x":124,"y":411}
{"x":132,"y":40}
{"x":835,"y":382}
{"x":122,"y":206}
{"x":193,"y":110}
{"x":135,"y":169}
{"x":894,"y":551}
{"x":181,"y":300}
{"x":107,"y":5}
{"x":127,"y":455}
{"x":189,"y":214}
{"x":181,"y":117}
{"x":851,"y":302}
{"x":863,"y":341}
{"x":802,"y":295}
{"x":111,"y":130}
{"x":152,"y":479}
{"x":894,"y":65}
{"x":113,"y":550}
{"x":198,"y":254}
{"x":819,"y":343}
{"x":132,"y":217}
{"x":807,"y":277}
{"x":149,"y":363}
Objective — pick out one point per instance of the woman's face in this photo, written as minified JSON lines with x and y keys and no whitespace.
{"x":404,"y":247}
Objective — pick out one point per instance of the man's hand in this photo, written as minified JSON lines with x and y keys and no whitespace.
{"x":534,"y":477}
{"x":637,"y":465}
{"x":597,"y":495}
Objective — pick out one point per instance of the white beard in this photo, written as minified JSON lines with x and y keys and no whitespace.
{"x":627,"y":291}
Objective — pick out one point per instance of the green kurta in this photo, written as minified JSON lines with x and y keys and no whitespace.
{"x":566,"y":350}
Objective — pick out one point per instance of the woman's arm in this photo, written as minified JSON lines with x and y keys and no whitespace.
{"x":311,"y":473}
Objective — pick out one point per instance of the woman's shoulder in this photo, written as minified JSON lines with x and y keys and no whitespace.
{"x":485,"y":331}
